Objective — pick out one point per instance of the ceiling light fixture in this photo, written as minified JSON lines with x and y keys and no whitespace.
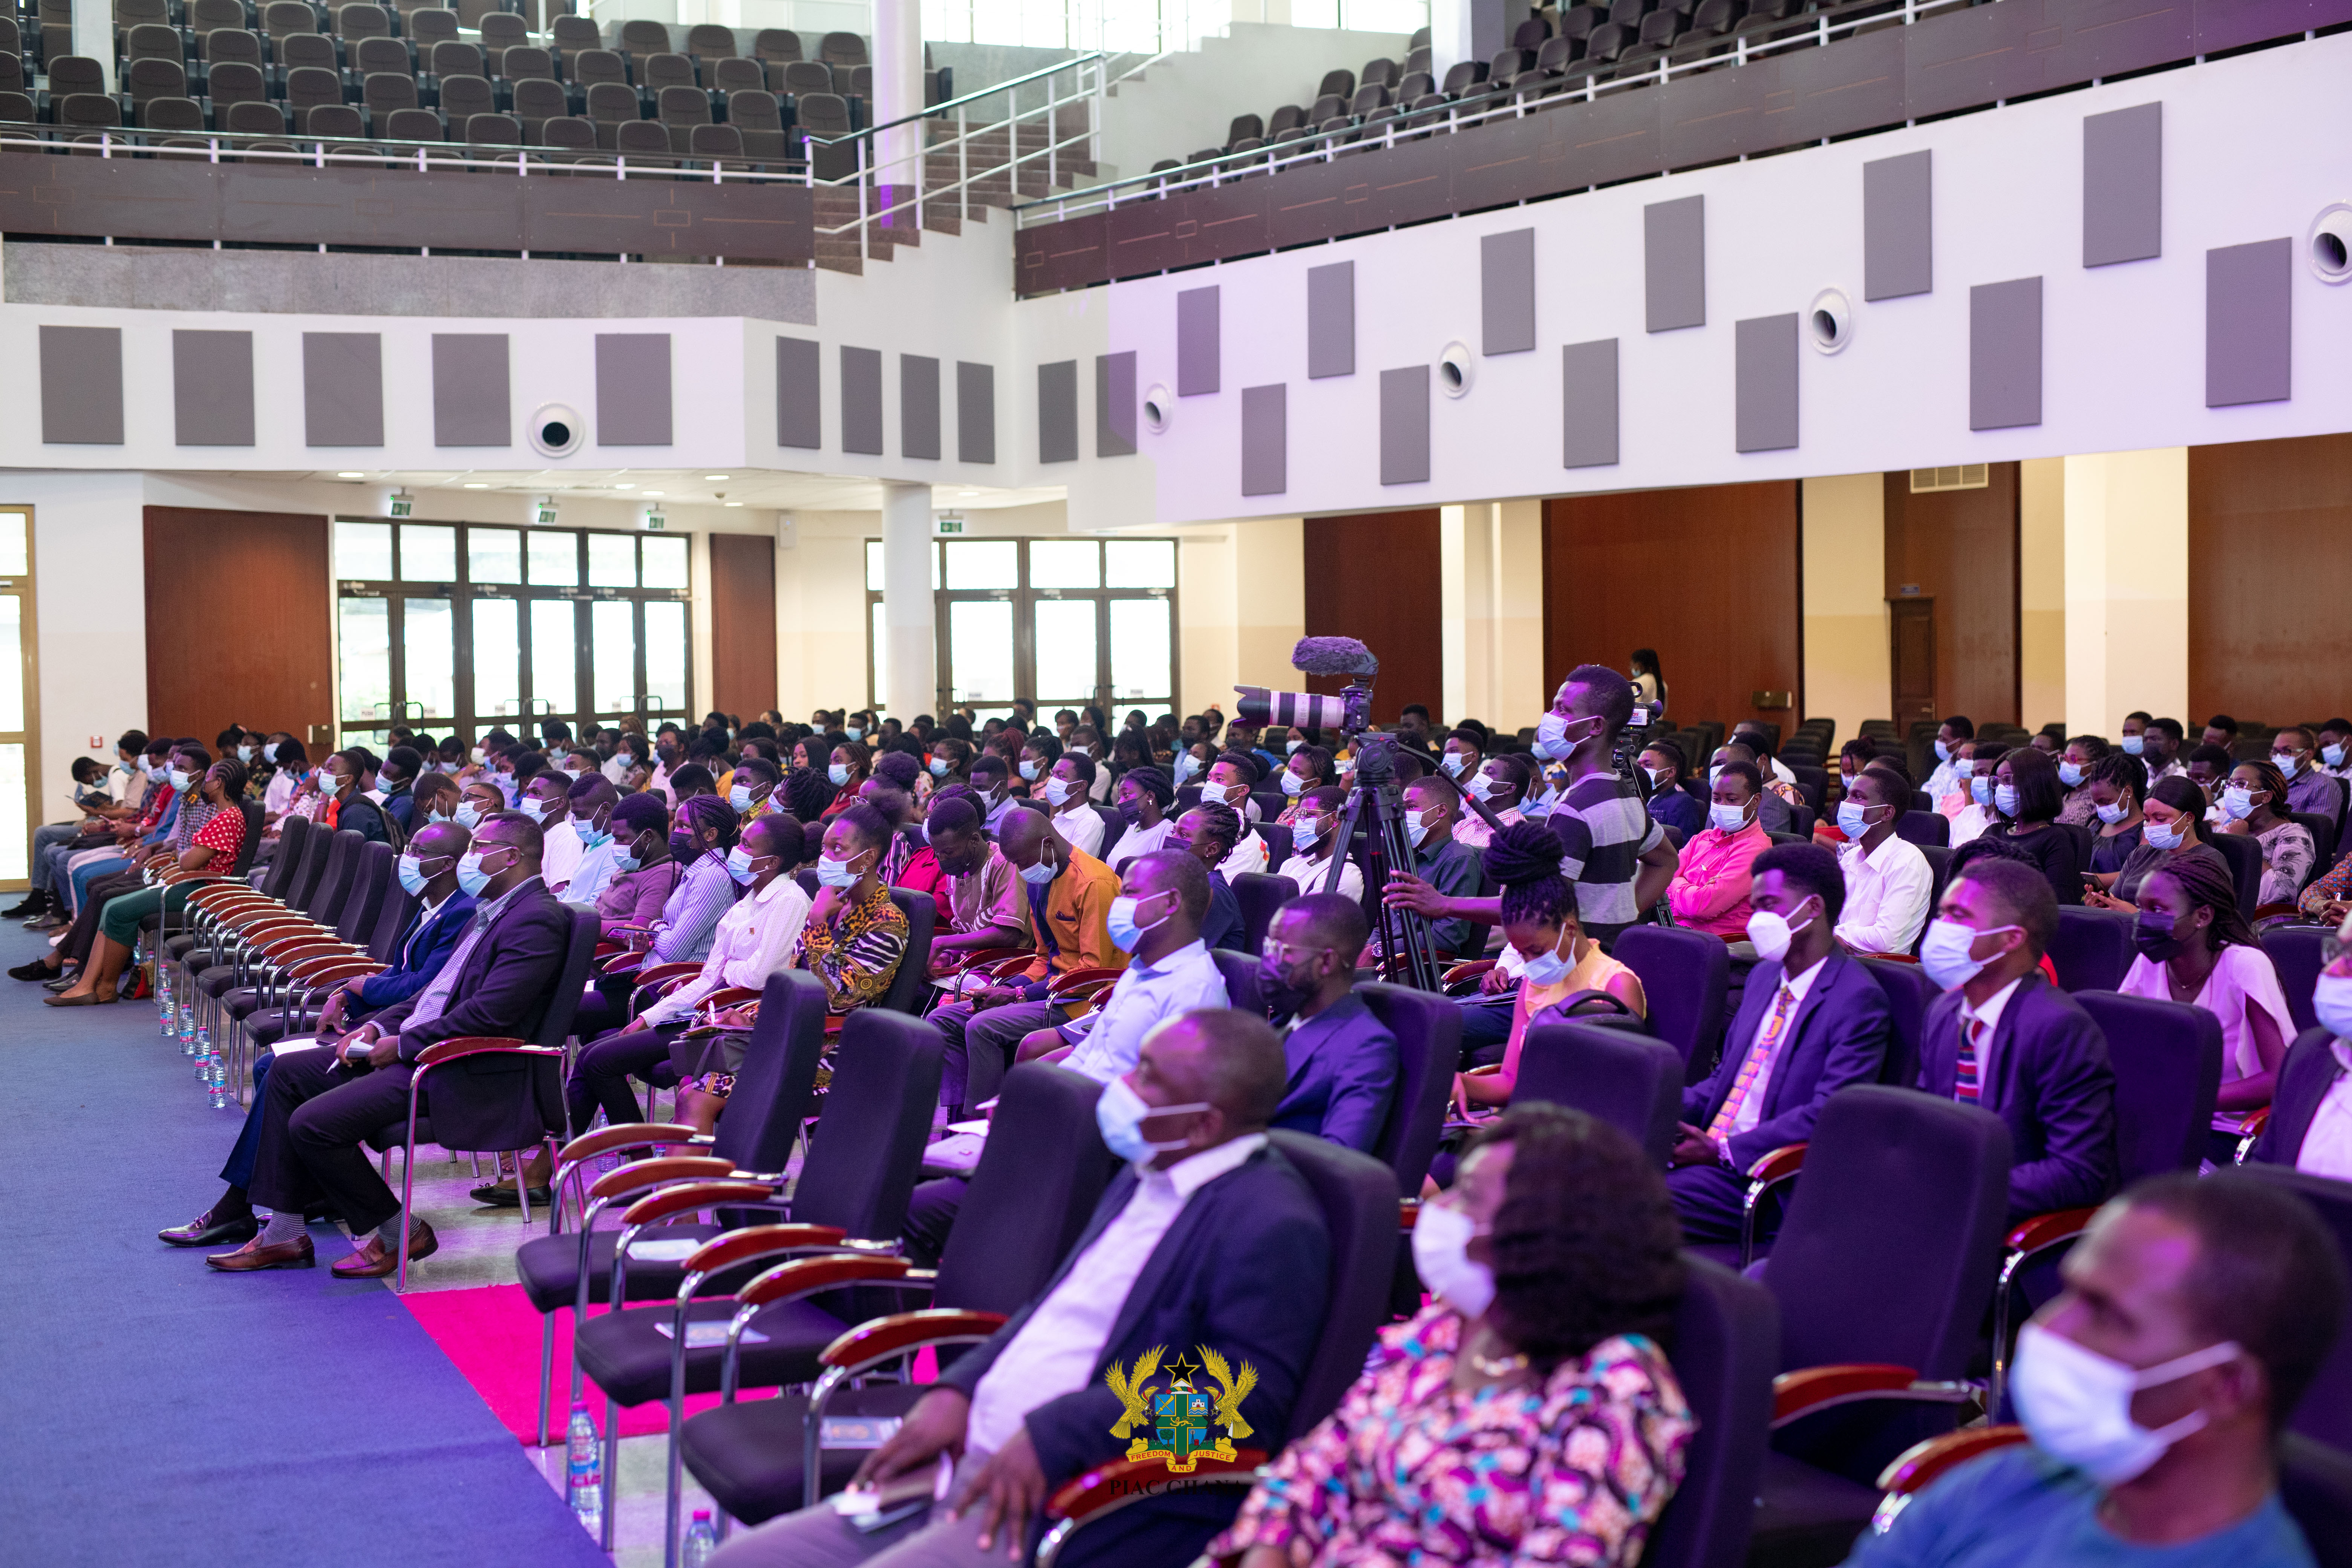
{"x":734,"y":503}
{"x":653,"y":492}
{"x":716,"y":478}
{"x":481,"y":487}
{"x":625,"y":486}
{"x":351,"y":475}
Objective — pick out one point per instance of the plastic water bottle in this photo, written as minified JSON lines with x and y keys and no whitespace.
{"x":584,"y":1468}
{"x":187,"y":1027}
{"x":702,"y":1540}
{"x":216,"y":1086}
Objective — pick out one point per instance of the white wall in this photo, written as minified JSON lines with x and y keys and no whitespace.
{"x":1848,"y":666}
{"x":2126,"y":612}
{"x":89,"y":593}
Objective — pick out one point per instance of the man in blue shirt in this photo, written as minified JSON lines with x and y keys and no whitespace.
{"x":2195,"y":1314}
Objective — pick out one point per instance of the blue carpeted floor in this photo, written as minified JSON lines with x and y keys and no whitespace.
{"x":158,"y":1412}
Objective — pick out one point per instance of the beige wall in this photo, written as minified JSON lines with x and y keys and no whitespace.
{"x":1490,"y":556}
{"x":1241,"y":608}
{"x":2127,"y":587}
{"x":1848,"y":673}
{"x":2042,"y":591}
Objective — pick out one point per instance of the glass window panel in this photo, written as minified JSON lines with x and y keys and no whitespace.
{"x":1140,"y":562}
{"x":14,"y":846}
{"x":429,"y":636}
{"x":1066,"y":650}
{"x":428,"y":554}
{"x":665,"y":653}
{"x":612,"y":560}
{"x":665,"y":561}
{"x":554,"y":558}
{"x":1065,"y":563}
{"x":980,"y":650}
{"x":362,"y":551}
{"x":497,"y":660}
{"x":494,"y":554}
{"x":873,"y":565}
{"x":12,"y":667}
{"x":554,"y":667}
{"x":880,"y":641}
{"x":984,"y":563}
{"x":1141,"y":665}
{"x":366,"y":638}
{"x":613,"y":648}
{"x":16,"y":544}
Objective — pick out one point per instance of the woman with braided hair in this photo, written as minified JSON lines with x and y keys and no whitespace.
{"x":2195,"y":946}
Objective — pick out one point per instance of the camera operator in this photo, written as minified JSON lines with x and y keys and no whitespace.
{"x":1445,"y":872}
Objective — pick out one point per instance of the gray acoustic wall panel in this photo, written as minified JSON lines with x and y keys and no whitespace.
{"x":799,"y":394}
{"x":918,"y":407}
{"x":1507,"y":293}
{"x":342,"y":389}
{"x":1766,"y":384}
{"x":1058,"y":412}
{"x":81,"y":385}
{"x":975,"y":413}
{"x":1674,"y":263}
{"x":1198,"y":343}
{"x":1114,"y":407}
{"x":2248,"y":323}
{"x":1898,"y":227}
{"x":633,"y":389}
{"x":1265,"y":440}
{"x":471,"y":403}
{"x":861,"y":401}
{"x":211,"y":389}
{"x":1405,"y":425}
{"x":1588,"y":386}
{"x":2005,"y":354}
{"x":2123,"y":184}
{"x":1331,"y":321}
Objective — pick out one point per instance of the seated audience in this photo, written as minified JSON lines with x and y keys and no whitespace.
{"x":589,"y":803}
{"x":2335,"y":738}
{"x":1207,"y":833}
{"x":849,"y":766}
{"x":1307,"y":769}
{"x":2161,"y":745}
{"x":1068,"y":794}
{"x":1771,"y":813}
{"x":2077,"y":764}
{"x":343,"y":781}
{"x":1501,"y":783}
{"x":1315,"y":846}
{"x":2116,"y":785}
{"x":2310,"y":1123}
{"x":1555,"y":1267}
{"x":854,"y":934}
{"x":1464,"y":755}
{"x":2309,"y":792}
{"x":643,"y":875}
{"x":2206,"y":767}
{"x":1664,"y":768}
{"x":980,"y":896}
{"x":2253,"y":805}
{"x":989,"y":774}
{"x":2195,"y":946}
{"x":2155,"y":1388}
{"x":182,"y":812}
{"x":211,"y":854}
{"x":1949,"y":776}
{"x":1889,"y":885}
{"x":1445,"y":874}
{"x":1709,"y":890}
{"x":2026,"y":799}
{"x":2220,"y":731}
{"x":1230,"y":778}
{"x":1144,"y":795}
{"x":2170,"y":826}
{"x":2003,"y":1039}
{"x":396,"y":780}
{"x":1340,"y":1059}
{"x":1811,"y":1020}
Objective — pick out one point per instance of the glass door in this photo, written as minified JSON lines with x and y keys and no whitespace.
{"x":20,"y":758}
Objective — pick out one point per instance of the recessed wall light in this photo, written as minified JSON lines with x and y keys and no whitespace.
{"x":716,"y":478}
{"x":734,"y":503}
{"x":478,"y":487}
{"x":351,"y":475}
{"x":625,"y":486}
{"x":653,"y":492}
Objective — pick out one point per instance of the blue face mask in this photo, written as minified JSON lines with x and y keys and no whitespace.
{"x":1980,"y":786}
{"x":2069,"y":773}
{"x":1120,"y":1113}
{"x":471,"y":877}
{"x":1303,"y":836}
{"x":740,"y":861}
{"x":2332,"y":755}
{"x":855,"y":732}
{"x":1187,"y":765}
{"x":2004,"y":799}
{"x":2132,"y":745}
{"x":2158,"y":837}
{"x":1853,"y":819}
{"x":1030,"y":770}
{"x":591,"y":836}
{"x":468,"y":816}
{"x":1417,"y":831}
{"x":838,"y":774}
{"x":1039,"y":875}
{"x":182,"y":779}
{"x":269,"y":752}
{"x":1291,"y":782}
{"x":1453,"y":763}
{"x":244,"y":754}
{"x":628,"y":863}
{"x":1943,"y":752}
{"x":740,"y":797}
{"x":1552,"y":738}
{"x":411,"y":875}
{"x":1126,"y":934}
{"x":1058,"y":791}
{"x":834,"y":873}
{"x":1546,"y":968}
{"x":940,"y":768}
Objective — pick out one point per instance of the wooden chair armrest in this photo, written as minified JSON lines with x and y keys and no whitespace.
{"x":318,"y":975}
{"x":980,"y":958}
{"x":1800,"y":1393}
{"x":1779,"y":1166}
{"x":758,"y":1241}
{"x":2255,"y":1121}
{"x":286,"y":938}
{"x":1469,"y":970}
{"x":638,"y":1176}
{"x":807,"y":1276}
{"x":302,"y":951}
{"x":605,"y":948}
{"x":729,"y":997}
{"x":2046,"y":1230}
{"x":671,"y":1202}
{"x":1919,"y":1466}
{"x":1005,"y":969}
{"x":620,"y":964}
{"x":1408,"y":1212}
{"x":1091,"y":991}
{"x":267,"y":927}
{"x":1092,"y":1491}
{"x":885,"y":1338}
{"x":1068,"y":982}
{"x":628,"y":1135}
{"x":232,"y":895}
{"x":661,"y":974}
{"x":450,"y":1050}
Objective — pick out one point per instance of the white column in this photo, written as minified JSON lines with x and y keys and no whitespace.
{"x":2042,"y":591}
{"x":1470,"y":30}
{"x":1849,"y":674}
{"x":909,"y":614}
{"x":897,"y":92}
{"x":93,"y":34}
{"x":2127,"y":587}
{"x":1457,"y":658}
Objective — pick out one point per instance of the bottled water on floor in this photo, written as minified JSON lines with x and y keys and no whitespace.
{"x":702,"y":1540}
{"x":216,"y":1086}
{"x":584,"y":1472}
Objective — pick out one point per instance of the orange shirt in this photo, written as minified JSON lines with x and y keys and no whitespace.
{"x":1077,"y":932}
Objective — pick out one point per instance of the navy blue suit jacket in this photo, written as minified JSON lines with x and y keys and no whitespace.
{"x":424,"y":946}
{"x":1343,"y":1073}
{"x":2049,"y":1080}
{"x":2309,"y":1071}
{"x":508,"y":978}
{"x":1838,"y":1037}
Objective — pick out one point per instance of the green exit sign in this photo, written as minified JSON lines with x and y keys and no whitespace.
{"x":950,"y":522}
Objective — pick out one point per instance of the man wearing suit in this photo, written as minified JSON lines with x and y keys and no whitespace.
{"x":1209,"y":1238}
{"x":1811,"y":1020}
{"x":322,"y":1104}
{"x":1342,"y":1060}
{"x":2003,"y":1037}
{"x":2310,"y":1125}
{"x":443,"y":912}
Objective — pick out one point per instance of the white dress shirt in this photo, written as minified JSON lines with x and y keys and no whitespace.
{"x":1109,"y":1038}
{"x":1971,"y":823}
{"x":2328,"y":1142}
{"x":1249,"y":855}
{"x":1081,"y":826}
{"x":591,"y":876}
{"x":1056,"y":1352}
{"x":1886,"y":896}
{"x":559,"y":852}
{"x":1309,"y":875}
{"x":1989,"y":1015}
{"x":1138,"y":841}
{"x":1751,"y":1107}
{"x":754,"y":937}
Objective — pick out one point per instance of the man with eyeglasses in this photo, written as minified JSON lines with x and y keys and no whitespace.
{"x":1342,"y":1060}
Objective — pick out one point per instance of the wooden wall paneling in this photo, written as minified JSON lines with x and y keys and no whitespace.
{"x":1375,"y":576}
{"x":742,"y":623}
{"x":2270,"y":580}
{"x":239,"y":608}
{"x":1960,"y":547}
{"x":1707,"y":576}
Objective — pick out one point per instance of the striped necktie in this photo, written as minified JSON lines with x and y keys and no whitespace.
{"x":1760,"y":1056}
{"x":1964,"y":1079}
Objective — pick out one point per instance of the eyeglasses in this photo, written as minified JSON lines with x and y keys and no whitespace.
{"x":1286,"y":952}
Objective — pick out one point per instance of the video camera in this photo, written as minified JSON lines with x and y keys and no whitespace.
{"x":1350,"y":713}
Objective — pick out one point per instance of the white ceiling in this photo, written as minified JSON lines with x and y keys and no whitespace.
{"x":765,"y":489}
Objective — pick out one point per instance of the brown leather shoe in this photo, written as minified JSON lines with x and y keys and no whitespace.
{"x":254,"y":1255}
{"x":373,"y":1260}
{"x":206,"y":1230}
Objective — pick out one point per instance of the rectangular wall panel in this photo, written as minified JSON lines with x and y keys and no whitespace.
{"x":2123,"y":184}
{"x":633,"y":389}
{"x":1507,"y":293}
{"x":1379,"y":578}
{"x":471,"y":403}
{"x":2248,"y":323}
{"x":799,"y":394}
{"x":975,"y":413}
{"x":1405,"y":425}
{"x":861,"y":401}
{"x":1766,"y":388}
{"x":81,"y":385}
{"x":1331,"y":321}
{"x":1674,"y":263}
{"x":1588,"y":385}
{"x":212,"y":389}
{"x":198,"y":680}
{"x":1058,"y":412}
{"x":1198,"y":342}
{"x":342,"y":389}
{"x":1114,"y":407}
{"x":1265,"y":440}
{"x":2005,"y":354}
{"x":1897,"y":227}
{"x":743,"y":622}
{"x":918,"y":407}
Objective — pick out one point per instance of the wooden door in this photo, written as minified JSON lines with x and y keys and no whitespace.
{"x":1912,"y":628}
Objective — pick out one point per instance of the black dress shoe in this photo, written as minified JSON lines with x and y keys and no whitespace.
{"x":33,"y":904}
{"x":502,"y":1196}
{"x":35,"y":970}
{"x":207,"y":1231}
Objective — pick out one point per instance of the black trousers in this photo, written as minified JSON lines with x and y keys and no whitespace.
{"x":312,"y":1137}
{"x":600,"y":1076}
{"x":1708,"y":1198}
{"x":84,"y":934}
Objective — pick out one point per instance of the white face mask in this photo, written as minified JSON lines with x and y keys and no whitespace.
{"x":1771,"y":933}
{"x":1727,"y":818}
{"x":1441,"y":1241}
{"x":2111,"y":814}
{"x":1947,"y":953}
{"x":2331,"y":1001}
{"x":2076,"y":1403}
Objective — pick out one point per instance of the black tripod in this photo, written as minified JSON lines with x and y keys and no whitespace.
{"x":1408,"y":946}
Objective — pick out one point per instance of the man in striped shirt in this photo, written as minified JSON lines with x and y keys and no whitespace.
{"x":1618,"y":858}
